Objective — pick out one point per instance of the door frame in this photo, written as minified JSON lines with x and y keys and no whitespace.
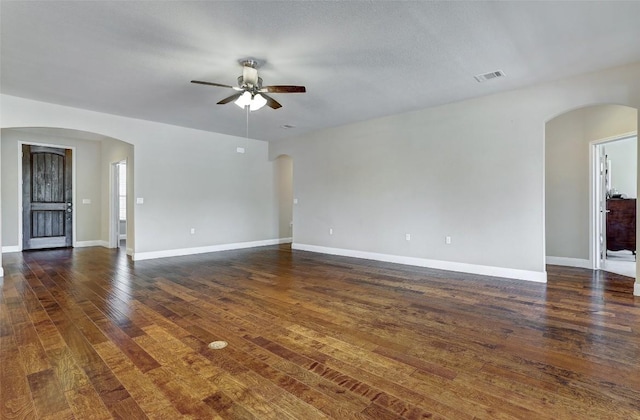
{"x":73,"y":188}
{"x":114,"y":203}
{"x":594,"y":188}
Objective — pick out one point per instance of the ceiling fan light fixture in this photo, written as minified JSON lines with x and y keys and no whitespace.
{"x":244,"y":100}
{"x":258,"y":102}
{"x":250,"y":89}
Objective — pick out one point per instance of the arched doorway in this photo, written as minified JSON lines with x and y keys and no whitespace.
{"x":93,"y":154}
{"x":570,"y":138}
{"x":284,"y":195}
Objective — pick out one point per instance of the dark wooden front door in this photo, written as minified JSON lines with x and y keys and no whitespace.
{"x":46,"y":197}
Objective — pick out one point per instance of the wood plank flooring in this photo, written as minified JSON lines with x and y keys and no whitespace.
{"x":88,"y":334}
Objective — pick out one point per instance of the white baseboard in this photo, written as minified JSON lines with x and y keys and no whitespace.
{"x":483,"y":270}
{"x":130,"y":251}
{"x":139,"y":256}
{"x":636,"y":289}
{"x":84,"y":244}
{"x":13,"y":248}
{"x":570,"y":262}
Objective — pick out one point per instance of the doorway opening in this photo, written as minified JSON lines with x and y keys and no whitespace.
{"x":284,"y":191}
{"x":118,"y":224}
{"x":613,"y":204}
{"x":47,"y":197}
{"x":575,"y":192}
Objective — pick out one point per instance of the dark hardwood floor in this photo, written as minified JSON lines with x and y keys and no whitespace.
{"x":86,"y":333}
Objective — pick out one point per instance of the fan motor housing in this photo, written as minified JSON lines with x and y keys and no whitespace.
{"x":248,"y":86}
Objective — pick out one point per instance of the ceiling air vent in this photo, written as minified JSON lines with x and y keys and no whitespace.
{"x":488,"y":76}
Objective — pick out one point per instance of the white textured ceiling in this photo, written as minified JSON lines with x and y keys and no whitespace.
{"x":358,"y":60}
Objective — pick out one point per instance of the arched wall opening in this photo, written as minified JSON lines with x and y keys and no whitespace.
{"x":186,"y":180}
{"x":93,"y":155}
{"x":569,"y":140}
{"x":283,"y":181}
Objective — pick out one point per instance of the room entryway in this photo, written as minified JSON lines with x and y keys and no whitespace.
{"x":118,"y":225}
{"x":284,"y":191}
{"x":47,"y":206}
{"x":614,"y":205}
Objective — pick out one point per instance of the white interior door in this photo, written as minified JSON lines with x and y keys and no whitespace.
{"x":603,"y":187}
{"x":114,"y":224}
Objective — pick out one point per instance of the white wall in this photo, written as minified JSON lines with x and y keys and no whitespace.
{"x":187,"y":178}
{"x":624,"y":165}
{"x":87,"y":182}
{"x":567,"y":173}
{"x":473,"y":170}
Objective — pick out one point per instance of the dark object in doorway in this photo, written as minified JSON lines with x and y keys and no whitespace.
{"x":621,"y":224}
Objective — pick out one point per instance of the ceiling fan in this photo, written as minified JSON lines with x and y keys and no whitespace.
{"x":250,"y":90}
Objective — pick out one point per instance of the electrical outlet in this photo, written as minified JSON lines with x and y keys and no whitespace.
{"x":330,"y":231}
{"x":407,"y":236}
{"x":447,"y":240}
{"x":193,"y":231}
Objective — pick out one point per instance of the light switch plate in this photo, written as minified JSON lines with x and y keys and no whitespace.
{"x":86,"y":201}
{"x":139,"y":200}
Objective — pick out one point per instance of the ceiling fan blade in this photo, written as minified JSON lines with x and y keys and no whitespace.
{"x":212,"y":84}
{"x":272,"y":103}
{"x":284,"y":89}
{"x":230,"y":98}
